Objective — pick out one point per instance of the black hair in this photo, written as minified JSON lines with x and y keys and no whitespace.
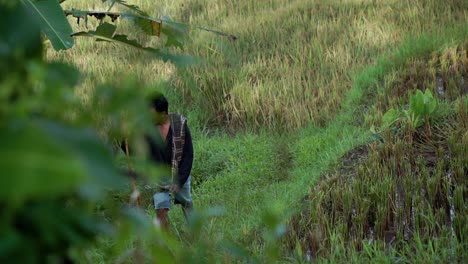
{"x":160,"y":104}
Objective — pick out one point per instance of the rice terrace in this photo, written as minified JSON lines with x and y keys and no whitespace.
{"x":249,"y":131}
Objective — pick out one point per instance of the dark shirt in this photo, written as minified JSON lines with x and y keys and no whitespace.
{"x":161,"y":153}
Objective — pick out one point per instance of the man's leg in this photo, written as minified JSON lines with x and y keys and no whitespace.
{"x":162,"y":204}
{"x":163,"y":218}
{"x":184,"y":197}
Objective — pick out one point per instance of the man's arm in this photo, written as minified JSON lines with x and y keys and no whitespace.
{"x":185,"y":165}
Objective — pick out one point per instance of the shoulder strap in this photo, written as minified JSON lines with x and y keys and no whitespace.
{"x":178,"y":140}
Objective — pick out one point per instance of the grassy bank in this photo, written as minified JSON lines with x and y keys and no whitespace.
{"x":401,"y":197}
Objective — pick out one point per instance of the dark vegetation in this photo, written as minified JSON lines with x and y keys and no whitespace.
{"x":406,"y":189}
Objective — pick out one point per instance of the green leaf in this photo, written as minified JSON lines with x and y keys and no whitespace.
{"x":95,"y":158}
{"x":430,"y":102}
{"x":33,"y":165}
{"x":148,"y":25}
{"x":417,"y":103}
{"x":238,"y":252}
{"x":180,"y":60}
{"x":106,"y":30}
{"x":176,"y":33}
{"x":390,"y":117}
{"x":53,"y":22}
{"x":24,"y":36}
{"x":422,"y":105}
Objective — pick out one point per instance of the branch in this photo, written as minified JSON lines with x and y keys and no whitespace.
{"x":149,"y":25}
{"x":106,"y":32}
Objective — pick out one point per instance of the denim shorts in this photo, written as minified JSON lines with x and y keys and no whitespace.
{"x":162,"y":199}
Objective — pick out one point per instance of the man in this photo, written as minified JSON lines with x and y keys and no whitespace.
{"x":176,"y":151}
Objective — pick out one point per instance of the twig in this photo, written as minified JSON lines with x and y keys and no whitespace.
{"x":134,"y":196}
{"x":134,"y":199}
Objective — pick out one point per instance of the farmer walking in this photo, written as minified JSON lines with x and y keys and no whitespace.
{"x":175,"y":151}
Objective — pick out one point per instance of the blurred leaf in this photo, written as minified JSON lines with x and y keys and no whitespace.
{"x":34,"y":164}
{"x":137,"y":218}
{"x":238,"y":252}
{"x":179,"y":60}
{"x":24,"y":36}
{"x":61,"y":73}
{"x":273,"y":221}
{"x":92,"y":154}
{"x":9,"y":241}
{"x":147,"y":172}
{"x":176,"y":33}
{"x":126,"y":111}
{"x":199,"y":217}
{"x":52,"y":21}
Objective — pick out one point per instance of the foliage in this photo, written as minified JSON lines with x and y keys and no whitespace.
{"x":56,"y":27}
{"x":56,"y":168}
{"x":52,"y":21}
{"x":390,"y":117}
{"x":59,"y":171}
{"x":422,"y":106}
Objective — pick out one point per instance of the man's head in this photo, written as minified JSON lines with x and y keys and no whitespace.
{"x":159,"y":108}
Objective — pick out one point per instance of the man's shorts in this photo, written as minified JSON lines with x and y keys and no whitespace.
{"x":162,"y":199}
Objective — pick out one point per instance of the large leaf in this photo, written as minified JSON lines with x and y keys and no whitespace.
{"x":53,"y":22}
{"x":417,"y":103}
{"x":150,"y":26}
{"x":106,"y":30}
{"x":94,"y":157}
{"x":423,"y":104}
{"x":429,"y":102}
{"x":124,"y":40}
{"x":390,"y":117}
{"x":175,"y":31}
{"x":33,"y":166}
{"x":24,"y":36}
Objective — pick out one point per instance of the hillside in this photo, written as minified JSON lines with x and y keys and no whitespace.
{"x":305,"y":118}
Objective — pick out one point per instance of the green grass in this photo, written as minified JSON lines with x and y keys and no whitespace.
{"x":297,"y":91}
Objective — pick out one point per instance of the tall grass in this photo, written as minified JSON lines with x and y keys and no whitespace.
{"x":291,"y":64}
{"x":294,"y":61}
